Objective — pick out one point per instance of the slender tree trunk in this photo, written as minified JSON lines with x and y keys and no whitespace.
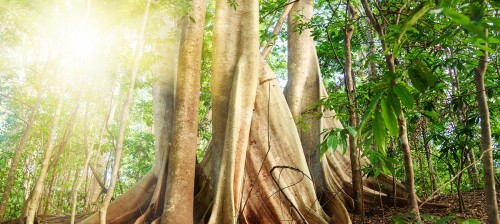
{"x":409,"y":175}
{"x":486,"y":142}
{"x":124,"y":117}
{"x":403,"y":135}
{"x":422,"y":173}
{"x":182,"y":158}
{"x":473,"y":173}
{"x":277,"y":28}
{"x":96,"y":188}
{"x":461,"y":203}
{"x":88,"y":152}
{"x":60,"y":149}
{"x":17,"y":155}
{"x":350,"y":84}
{"x":37,"y":192}
{"x":428,"y":155}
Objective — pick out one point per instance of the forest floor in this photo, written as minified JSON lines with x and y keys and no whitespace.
{"x":474,"y":202}
{"x":475,"y":207}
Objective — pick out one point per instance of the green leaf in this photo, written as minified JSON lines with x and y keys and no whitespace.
{"x":465,"y":22}
{"x":417,"y":13}
{"x":392,"y":98}
{"x":428,"y":217}
{"x":332,"y":141}
{"x":379,"y":132}
{"x":390,"y":118}
{"x":421,"y":76}
{"x":445,"y":219}
{"x":470,"y":221}
{"x":484,"y":48}
{"x":381,"y":85}
{"x":404,"y":95}
{"x":493,"y":40}
{"x":368,"y":112}
{"x":343,"y":142}
{"x":456,"y":16}
{"x":192,"y":19}
{"x":351,"y":131}
{"x":430,"y":114}
{"x":323,"y":149}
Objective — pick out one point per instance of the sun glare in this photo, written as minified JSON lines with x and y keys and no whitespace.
{"x":75,"y":41}
{"x":79,"y":44}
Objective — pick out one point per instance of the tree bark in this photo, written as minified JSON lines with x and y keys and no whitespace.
{"x":403,"y":135}
{"x":124,"y":117}
{"x":428,"y":155}
{"x":486,"y":142}
{"x":60,"y":149}
{"x":277,"y":28}
{"x":88,"y":154}
{"x":350,"y":84}
{"x":17,"y":155}
{"x":409,"y":175}
{"x":182,"y":158}
{"x":254,"y":169}
{"x":473,"y":173}
{"x":96,"y":188}
{"x":236,"y":60}
{"x":37,"y":192}
{"x":303,"y":88}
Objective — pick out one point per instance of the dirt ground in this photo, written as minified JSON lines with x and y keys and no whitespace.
{"x":474,"y":202}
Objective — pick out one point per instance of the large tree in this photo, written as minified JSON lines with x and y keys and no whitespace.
{"x":259,"y":165}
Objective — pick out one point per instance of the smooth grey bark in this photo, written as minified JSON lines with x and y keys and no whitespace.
{"x":408,"y":164}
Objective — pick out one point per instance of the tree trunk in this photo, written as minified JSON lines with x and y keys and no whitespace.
{"x":486,"y":142}
{"x":60,"y":149}
{"x":95,"y":189}
{"x":88,"y":154}
{"x":17,"y":155}
{"x":350,"y":84}
{"x":255,"y":168}
{"x":403,"y":136}
{"x":182,"y":157}
{"x":473,"y":173}
{"x":124,"y":117}
{"x":303,"y":87}
{"x":428,"y":155}
{"x":409,"y":175}
{"x":37,"y":192}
